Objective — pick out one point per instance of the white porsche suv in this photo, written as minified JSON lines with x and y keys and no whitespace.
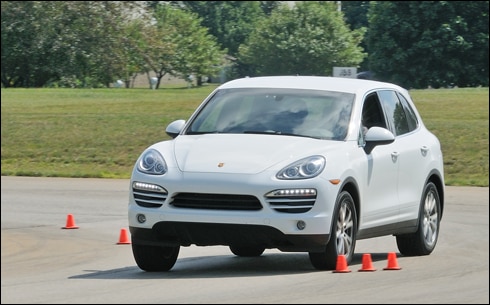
{"x":296,"y":163}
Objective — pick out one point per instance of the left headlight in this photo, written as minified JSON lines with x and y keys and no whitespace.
{"x":303,"y":169}
{"x":152,"y":163}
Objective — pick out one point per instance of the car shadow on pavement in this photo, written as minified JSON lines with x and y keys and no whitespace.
{"x":223,"y":266}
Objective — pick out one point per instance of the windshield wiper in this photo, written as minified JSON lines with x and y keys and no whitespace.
{"x":275,"y":132}
{"x":262,"y":131}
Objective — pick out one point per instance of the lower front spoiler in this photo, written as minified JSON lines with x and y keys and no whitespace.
{"x":169,"y":233}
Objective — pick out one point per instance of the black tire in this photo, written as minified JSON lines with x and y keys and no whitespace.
{"x":424,"y":240}
{"x":249,"y":251}
{"x":155,"y":258}
{"x":343,"y":238}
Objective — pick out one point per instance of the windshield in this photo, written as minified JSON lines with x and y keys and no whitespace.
{"x":310,"y":113}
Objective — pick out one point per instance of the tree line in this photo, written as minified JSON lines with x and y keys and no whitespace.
{"x":91,"y":44}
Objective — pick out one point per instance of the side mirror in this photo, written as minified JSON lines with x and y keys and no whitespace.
{"x":174,"y":128}
{"x":377,"y":136}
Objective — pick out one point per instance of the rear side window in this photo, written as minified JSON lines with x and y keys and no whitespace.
{"x":411,"y":117}
{"x":395,"y":112}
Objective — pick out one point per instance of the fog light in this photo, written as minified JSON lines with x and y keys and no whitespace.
{"x":301,"y":225}
{"x":141,"y":218}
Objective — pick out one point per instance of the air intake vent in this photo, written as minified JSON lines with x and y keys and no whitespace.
{"x":149,"y":199}
{"x":216,"y":202}
{"x":293,"y":204}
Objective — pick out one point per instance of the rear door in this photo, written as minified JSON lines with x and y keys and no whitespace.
{"x":409,"y":151}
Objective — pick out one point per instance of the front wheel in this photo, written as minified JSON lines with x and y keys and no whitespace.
{"x":155,"y":258}
{"x":343,"y":238}
{"x":424,"y":240}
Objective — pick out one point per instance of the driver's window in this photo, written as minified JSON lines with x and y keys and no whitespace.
{"x":372,"y":114}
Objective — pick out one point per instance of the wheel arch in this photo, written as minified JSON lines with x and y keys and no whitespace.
{"x":350,"y":185}
{"x":436,"y":178}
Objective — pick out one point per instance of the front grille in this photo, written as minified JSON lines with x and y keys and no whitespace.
{"x":292,"y":204}
{"x":216,"y":202}
{"x":149,"y":199}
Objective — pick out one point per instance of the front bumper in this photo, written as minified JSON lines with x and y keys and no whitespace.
{"x":168,"y":233}
{"x":169,"y":221}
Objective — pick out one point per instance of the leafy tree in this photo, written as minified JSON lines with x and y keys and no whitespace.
{"x":231,"y":22}
{"x":355,"y":13}
{"x":66,"y":43}
{"x":194,"y":51}
{"x":269,"y":6}
{"x":429,"y":43}
{"x":141,"y":44}
{"x":308,"y":38}
{"x":97,"y":29}
{"x":24,"y":46}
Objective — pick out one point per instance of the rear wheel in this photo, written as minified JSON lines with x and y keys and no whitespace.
{"x":155,"y":258}
{"x":343,"y":239}
{"x":424,"y":240}
{"x":248,"y":251}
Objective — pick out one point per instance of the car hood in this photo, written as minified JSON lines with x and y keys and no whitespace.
{"x":242,"y":153}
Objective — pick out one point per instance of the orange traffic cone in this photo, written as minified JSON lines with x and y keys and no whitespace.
{"x":341,"y":266}
{"x":367,"y":264}
{"x":70,"y":222}
{"x":392,"y":262}
{"x":123,"y":237}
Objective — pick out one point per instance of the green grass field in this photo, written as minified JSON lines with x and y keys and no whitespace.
{"x":101,"y":132}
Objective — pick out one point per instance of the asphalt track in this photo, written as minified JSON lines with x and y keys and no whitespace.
{"x":42,"y":263}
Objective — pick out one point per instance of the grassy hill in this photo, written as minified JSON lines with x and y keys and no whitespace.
{"x":101,"y":132}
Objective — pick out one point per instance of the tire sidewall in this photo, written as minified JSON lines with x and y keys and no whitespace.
{"x":331,"y":250}
{"x":430,"y":187}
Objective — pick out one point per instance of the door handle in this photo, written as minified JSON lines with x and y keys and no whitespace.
{"x":394,"y":156}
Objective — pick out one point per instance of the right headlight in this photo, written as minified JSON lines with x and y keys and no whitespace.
{"x":151,"y":162}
